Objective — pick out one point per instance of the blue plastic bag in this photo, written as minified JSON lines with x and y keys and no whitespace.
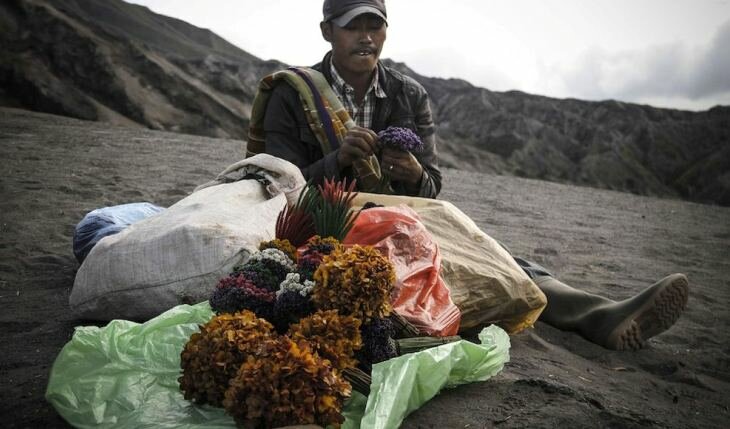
{"x":100,"y":223}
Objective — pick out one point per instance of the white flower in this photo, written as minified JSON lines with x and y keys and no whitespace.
{"x":292,"y":282}
{"x":275,"y":255}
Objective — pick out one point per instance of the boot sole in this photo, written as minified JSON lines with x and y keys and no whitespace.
{"x":660,"y":311}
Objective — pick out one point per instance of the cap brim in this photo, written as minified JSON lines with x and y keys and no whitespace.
{"x":348,"y":16}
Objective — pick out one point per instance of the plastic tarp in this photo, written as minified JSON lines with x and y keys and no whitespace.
{"x":124,"y":375}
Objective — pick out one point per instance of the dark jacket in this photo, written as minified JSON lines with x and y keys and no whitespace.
{"x":288,"y":136}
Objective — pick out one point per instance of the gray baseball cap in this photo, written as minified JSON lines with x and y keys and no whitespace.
{"x":341,"y":12}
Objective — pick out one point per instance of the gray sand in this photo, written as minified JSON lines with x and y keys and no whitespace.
{"x":54,"y":170}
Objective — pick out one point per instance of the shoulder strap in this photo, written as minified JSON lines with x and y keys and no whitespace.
{"x":326,"y":116}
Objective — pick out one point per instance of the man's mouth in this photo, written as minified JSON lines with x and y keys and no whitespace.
{"x":363,"y":52}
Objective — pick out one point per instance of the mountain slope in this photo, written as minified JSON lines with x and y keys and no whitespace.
{"x":118,"y":62}
{"x":609,"y":144}
{"x":122,"y":63}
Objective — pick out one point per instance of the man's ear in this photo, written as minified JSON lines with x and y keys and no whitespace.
{"x":326,"y":28}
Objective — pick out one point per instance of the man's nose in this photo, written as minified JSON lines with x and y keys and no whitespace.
{"x":365,"y":35}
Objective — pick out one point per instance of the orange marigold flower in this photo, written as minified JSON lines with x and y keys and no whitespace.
{"x":333,"y":337}
{"x":213,"y":355}
{"x":287,"y":383}
{"x":357,"y":281}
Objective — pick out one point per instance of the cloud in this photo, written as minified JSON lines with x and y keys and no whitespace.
{"x":713,"y":73}
{"x":431,"y":62}
{"x":669,"y":71}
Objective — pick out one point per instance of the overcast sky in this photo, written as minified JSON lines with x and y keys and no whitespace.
{"x":668,"y":53}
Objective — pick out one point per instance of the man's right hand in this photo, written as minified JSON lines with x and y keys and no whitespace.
{"x":359,"y":143}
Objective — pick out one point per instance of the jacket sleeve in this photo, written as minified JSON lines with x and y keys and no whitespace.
{"x":288,"y":136}
{"x":428,"y":157}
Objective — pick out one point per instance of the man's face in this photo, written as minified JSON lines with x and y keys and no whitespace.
{"x":357,"y":46}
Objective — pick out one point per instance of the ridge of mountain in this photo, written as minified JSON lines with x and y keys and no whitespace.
{"x":122,"y":63}
{"x":607,"y":144}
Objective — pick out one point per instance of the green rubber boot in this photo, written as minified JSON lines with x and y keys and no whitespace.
{"x":616,"y":325}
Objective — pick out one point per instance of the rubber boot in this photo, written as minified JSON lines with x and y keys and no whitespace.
{"x":616,"y":325}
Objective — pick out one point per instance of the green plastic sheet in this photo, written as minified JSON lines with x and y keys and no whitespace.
{"x":124,"y":375}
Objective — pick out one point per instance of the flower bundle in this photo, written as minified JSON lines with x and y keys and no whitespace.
{"x":275,"y":258}
{"x":283,"y":245}
{"x":238,"y":362}
{"x":334,"y":216}
{"x":294,"y":283}
{"x":295,"y":223}
{"x":253,"y":285}
{"x":294,"y":328}
{"x":292,"y":301}
{"x":266,"y":268}
{"x":400,"y":138}
{"x":315,"y":250}
{"x":357,"y":281}
{"x":212,"y":356}
{"x":237,"y":292}
{"x":286,"y":383}
{"x":334,"y":337}
{"x":378,"y":343}
{"x":289,"y":308}
{"x":325,"y":210}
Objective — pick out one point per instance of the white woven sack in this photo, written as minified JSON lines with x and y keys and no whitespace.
{"x":179,"y":255}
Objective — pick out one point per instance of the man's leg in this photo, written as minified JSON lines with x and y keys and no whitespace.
{"x":617,"y":325}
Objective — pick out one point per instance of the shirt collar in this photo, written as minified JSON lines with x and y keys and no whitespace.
{"x":344,"y":88}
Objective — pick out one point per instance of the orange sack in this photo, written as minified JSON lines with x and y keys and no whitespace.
{"x":420,"y":294}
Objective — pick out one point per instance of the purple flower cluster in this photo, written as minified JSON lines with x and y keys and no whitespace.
{"x":401,"y":138}
{"x":378,"y":343}
{"x":289,"y":307}
{"x":310,"y":259}
{"x":237,"y":292}
{"x":266,"y":274}
{"x":309,"y":262}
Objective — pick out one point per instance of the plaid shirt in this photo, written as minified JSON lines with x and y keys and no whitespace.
{"x":362,"y":114}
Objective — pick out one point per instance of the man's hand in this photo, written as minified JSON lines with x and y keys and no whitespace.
{"x":359,"y":143}
{"x":401,"y":166}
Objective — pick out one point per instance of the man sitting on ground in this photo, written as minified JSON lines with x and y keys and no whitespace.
{"x":376,"y":97}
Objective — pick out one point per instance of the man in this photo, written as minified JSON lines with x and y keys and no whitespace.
{"x":377,"y":97}
{"x":374,"y":95}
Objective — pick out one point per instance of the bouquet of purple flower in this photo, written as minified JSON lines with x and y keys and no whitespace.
{"x":400,"y":138}
{"x":397,"y":138}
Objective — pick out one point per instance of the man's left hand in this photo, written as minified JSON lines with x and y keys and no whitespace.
{"x":402,"y":166}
